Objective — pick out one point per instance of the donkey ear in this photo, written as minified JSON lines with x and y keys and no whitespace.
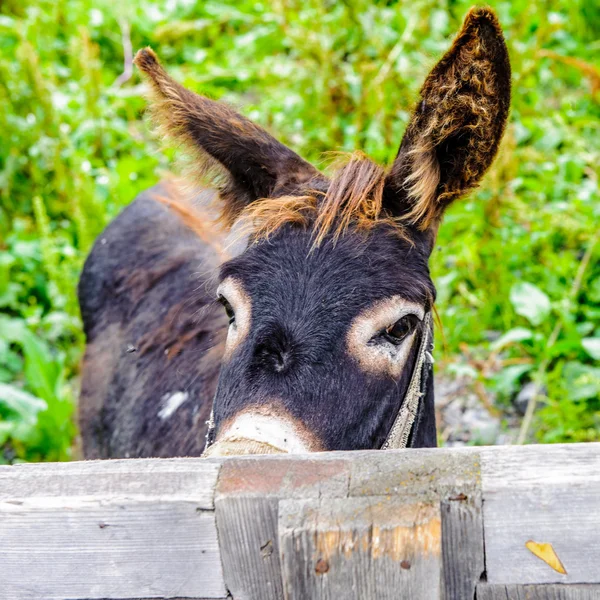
{"x":454,"y":134}
{"x":251,"y":163}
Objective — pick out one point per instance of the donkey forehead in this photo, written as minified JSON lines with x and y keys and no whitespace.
{"x":285,"y":272}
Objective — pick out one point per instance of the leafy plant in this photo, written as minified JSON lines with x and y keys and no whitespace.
{"x":323,"y":75}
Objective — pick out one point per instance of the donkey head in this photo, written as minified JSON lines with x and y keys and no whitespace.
{"x":330,"y":301}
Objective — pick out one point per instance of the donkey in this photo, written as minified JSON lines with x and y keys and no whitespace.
{"x":316,"y":332}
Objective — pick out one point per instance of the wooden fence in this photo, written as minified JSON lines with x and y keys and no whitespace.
{"x":452,"y":524}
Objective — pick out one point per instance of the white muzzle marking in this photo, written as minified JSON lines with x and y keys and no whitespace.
{"x":265,"y":433}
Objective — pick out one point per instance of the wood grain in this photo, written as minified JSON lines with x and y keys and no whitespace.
{"x":250,"y":547}
{"x":174,"y":478}
{"x":84,"y":549}
{"x":462,"y":545}
{"x":548,"y":494}
{"x":330,"y":525}
{"x":137,"y":529}
{"x":247,"y":504}
{"x":358,"y":548}
{"x":537,"y":592}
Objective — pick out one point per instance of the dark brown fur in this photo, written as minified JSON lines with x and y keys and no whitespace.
{"x":153,"y":329}
{"x":225,"y":144}
{"x":456,"y":129}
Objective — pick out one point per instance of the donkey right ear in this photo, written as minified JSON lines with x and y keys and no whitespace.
{"x":252,"y":163}
{"x":453,"y":136}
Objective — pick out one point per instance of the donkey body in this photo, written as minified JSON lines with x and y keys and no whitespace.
{"x":328,"y":298}
{"x":154,"y":335}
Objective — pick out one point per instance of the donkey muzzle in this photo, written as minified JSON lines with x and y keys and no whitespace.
{"x":262,"y":430}
{"x":240,"y":447}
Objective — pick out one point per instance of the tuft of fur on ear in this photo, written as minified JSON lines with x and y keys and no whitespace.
{"x":456,"y":129}
{"x":245,"y":162}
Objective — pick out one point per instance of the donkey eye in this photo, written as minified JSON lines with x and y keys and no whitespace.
{"x":228,"y":309}
{"x":402,"y":328}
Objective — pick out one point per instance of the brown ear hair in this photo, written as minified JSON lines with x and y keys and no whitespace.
{"x":453,"y":136}
{"x":251,"y":163}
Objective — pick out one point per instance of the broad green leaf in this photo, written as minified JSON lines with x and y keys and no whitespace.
{"x":592,"y":346}
{"x":12,"y":330}
{"x":20,"y":430}
{"x":6,"y":430}
{"x":506,"y":380}
{"x":530,"y":302}
{"x":24,"y":404}
{"x":582,"y":381}
{"x":518,"y":334}
{"x":594,"y":290}
{"x":41,"y":368}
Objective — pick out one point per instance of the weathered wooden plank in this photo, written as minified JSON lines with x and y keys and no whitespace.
{"x":378,"y":547}
{"x":462,"y":545}
{"x":140,"y":529}
{"x":449,"y":476}
{"x":191,"y":478}
{"x":538,"y":592}
{"x":300,"y":476}
{"x":546,"y":494}
{"x":429,"y":475}
{"x":426,"y":472}
{"x":249,"y":547}
{"x":83,"y":549}
{"x":247,"y":513}
{"x":423,"y":474}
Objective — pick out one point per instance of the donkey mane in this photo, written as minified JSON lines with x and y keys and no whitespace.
{"x":353,"y":198}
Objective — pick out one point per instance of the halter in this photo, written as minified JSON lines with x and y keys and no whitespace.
{"x":417,"y":388}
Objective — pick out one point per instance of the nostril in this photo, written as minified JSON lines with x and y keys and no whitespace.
{"x":279,"y":360}
{"x":274,"y":358}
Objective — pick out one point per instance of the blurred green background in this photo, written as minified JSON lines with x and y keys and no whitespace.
{"x":517,"y":264}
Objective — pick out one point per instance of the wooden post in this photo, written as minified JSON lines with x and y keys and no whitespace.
{"x":355,"y":548}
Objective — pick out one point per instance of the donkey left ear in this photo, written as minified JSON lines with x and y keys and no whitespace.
{"x":455,"y":131}
{"x":247,"y":161}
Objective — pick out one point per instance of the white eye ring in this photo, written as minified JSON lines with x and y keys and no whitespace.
{"x":232,"y":290}
{"x":382,"y":358}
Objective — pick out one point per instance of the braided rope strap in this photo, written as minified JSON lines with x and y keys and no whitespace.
{"x":400,"y":431}
{"x":210,"y":430}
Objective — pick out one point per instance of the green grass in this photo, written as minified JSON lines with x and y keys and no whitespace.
{"x":323,"y":76}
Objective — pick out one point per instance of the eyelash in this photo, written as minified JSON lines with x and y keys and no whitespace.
{"x":228,"y":309}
